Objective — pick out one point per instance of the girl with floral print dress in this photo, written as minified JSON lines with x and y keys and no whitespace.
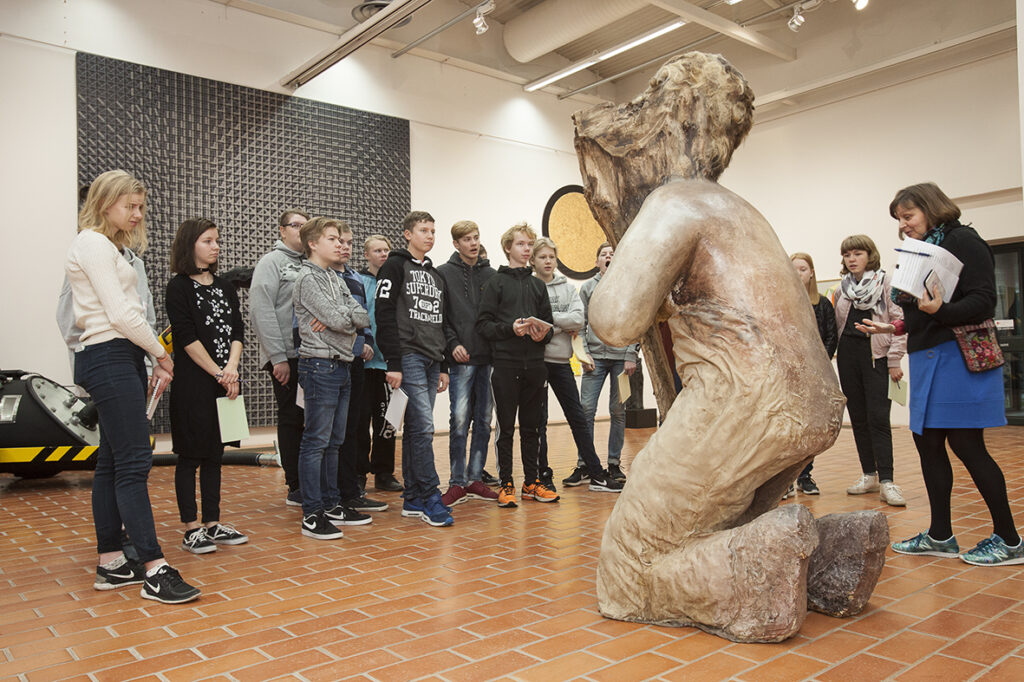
{"x":207,"y":332}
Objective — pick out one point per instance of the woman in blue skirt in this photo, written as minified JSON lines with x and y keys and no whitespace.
{"x":947,"y":402}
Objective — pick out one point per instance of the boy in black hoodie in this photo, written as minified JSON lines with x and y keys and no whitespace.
{"x":509,"y":299}
{"x":410,"y":305}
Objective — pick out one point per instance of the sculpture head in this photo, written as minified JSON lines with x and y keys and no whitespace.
{"x":695,"y":112}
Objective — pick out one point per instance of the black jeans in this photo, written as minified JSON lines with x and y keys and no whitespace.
{"x":349,"y":466}
{"x":114,"y":373}
{"x":290,"y":420}
{"x":376,"y":443}
{"x":209,"y":486}
{"x":563,"y":383}
{"x":865,"y":384}
{"x":518,"y":389}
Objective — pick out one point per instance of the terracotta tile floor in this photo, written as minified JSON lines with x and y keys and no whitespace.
{"x":502,"y":594}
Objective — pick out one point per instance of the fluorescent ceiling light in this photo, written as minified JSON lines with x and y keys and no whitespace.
{"x":603,"y":55}
{"x":389,"y":17}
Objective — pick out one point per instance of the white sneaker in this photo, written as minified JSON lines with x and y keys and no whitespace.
{"x":868,"y":483}
{"x":892,"y":495}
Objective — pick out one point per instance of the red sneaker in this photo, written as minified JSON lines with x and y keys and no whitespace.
{"x":478,"y":491}
{"x":455,"y":494}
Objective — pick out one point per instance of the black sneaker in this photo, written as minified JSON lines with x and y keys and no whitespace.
{"x":605,"y":484}
{"x":578,"y":475}
{"x":168,"y":587}
{"x":294,"y":498}
{"x":130,"y":572}
{"x":346,"y":516}
{"x":223,"y":534}
{"x":197,"y":542}
{"x":387,"y":483}
{"x":317,"y":526}
{"x":807,"y":486}
{"x":365,"y":504}
{"x":548,"y":483}
{"x":615,"y":472}
{"x":487,"y":479}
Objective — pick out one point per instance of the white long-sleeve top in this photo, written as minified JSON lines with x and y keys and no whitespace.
{"x":104,"y":294}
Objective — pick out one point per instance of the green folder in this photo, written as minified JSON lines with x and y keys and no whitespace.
{"x":234,"y":424}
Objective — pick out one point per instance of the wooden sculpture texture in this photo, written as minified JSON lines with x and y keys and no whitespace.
{"x":697,"y":536}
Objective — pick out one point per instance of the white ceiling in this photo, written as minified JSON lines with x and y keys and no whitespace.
{"x":839,"y":51}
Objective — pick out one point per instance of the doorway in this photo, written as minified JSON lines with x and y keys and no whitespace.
{"x":1009,"y":271}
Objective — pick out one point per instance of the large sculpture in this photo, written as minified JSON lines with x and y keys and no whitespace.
{"x":697,"y":537}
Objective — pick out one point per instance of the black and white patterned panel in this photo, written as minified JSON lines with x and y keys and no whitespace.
{"x":237,"y":156}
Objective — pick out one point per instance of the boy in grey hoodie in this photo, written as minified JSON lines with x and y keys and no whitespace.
{"x":328,"y":318}
{"x":271,"y":317}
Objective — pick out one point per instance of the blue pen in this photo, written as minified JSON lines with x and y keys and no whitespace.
{"x":916,"y":253}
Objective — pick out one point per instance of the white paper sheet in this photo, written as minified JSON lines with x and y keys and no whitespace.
{"x":396,"y":408}
{"x":898,"y":391}
{"x":624,"y":388}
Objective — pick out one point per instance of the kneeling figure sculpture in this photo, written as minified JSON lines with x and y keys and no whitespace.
{"x":698,"y":537}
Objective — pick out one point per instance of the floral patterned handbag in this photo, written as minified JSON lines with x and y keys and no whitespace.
{"x":979,"y":346}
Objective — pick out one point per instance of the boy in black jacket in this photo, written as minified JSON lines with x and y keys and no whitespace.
{"x":410,"y":304}
{"x":470,"y":389}
{"x":518,"y":376}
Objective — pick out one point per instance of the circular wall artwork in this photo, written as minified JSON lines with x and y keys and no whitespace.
{"x":569,"y":223}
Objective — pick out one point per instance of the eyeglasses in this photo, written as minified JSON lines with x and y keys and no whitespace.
{"x":295,"y":225}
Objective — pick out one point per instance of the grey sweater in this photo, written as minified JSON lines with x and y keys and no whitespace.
{"x":270,"y":303}
{"x":320,"y":294}
{"x":567,"y":311}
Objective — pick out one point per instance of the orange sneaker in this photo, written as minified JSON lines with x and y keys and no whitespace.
{"x":507,"y":495}
{"x":538,"y":492}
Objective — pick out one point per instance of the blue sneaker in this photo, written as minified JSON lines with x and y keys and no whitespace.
{"x":413,"y":509}
{"x":922,"y":543}
{"x":992,"y":551}
{"x":436,"y":513}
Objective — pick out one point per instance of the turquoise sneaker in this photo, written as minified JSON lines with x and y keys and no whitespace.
{"x":992,"y":551}
{"x":925,"y":544}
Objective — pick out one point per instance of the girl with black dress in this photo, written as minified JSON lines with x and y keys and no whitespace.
{"x":948,"y":403}
{"x":207,"y":332}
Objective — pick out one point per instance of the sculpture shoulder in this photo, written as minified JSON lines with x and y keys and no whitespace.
{"x":694,"y":197}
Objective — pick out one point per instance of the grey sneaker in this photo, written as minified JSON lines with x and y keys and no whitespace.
{"x":992,"y":551}
{"x":925,"y":544}
{"x":892,"y":495}
{"x":868,"y":483}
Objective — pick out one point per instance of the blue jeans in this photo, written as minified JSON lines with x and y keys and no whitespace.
{"x":469,"y":392}
{"x":114,"y":373}
{"x":326,"y":385}
{"x":590,"y":390}
{"x":419,"y":381}
{"x":563,"y":383}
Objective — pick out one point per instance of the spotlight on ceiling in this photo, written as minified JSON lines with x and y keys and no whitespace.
{"x":796,"y":21}
{"x":733,"y":2}
{"x":859,"y":4}
{"x":479,"y":22}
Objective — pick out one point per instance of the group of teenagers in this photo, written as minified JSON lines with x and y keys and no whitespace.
{"x":869,"y":326}
{"x":337,"y":345}
{"x":490,"y":337}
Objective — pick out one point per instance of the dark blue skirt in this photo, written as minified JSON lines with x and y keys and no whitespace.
{"x":944,"y":395}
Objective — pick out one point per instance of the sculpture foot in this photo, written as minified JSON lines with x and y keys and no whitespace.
{"x":845,"y":567}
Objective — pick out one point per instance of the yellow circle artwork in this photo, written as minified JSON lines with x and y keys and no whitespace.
{"x":571,"y":225}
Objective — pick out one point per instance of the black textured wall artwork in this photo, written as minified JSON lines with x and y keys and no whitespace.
{"x":238,"y":156}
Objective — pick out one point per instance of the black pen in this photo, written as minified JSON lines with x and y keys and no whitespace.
{"x":916,"y":253}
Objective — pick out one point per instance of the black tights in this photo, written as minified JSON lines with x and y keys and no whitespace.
{"x":969,"y":447}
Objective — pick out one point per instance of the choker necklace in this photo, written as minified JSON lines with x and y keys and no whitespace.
{"x":203,"y":269}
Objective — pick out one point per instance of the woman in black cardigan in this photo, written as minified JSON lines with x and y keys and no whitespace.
{"x":207,"y":332}
{"x":947,"y":402}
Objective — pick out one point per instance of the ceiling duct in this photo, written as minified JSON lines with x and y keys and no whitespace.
{"x":552,"y":24}
{"x":367,"y":8}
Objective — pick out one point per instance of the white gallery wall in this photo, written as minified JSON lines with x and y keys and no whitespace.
{"x":481,"y":148}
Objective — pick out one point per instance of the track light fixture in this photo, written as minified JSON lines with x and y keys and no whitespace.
{"x":859,"y":4}
{"x":479,"y":22}
{"x":797,"y":20}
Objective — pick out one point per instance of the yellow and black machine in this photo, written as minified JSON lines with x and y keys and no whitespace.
{"x":44,"y":427}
